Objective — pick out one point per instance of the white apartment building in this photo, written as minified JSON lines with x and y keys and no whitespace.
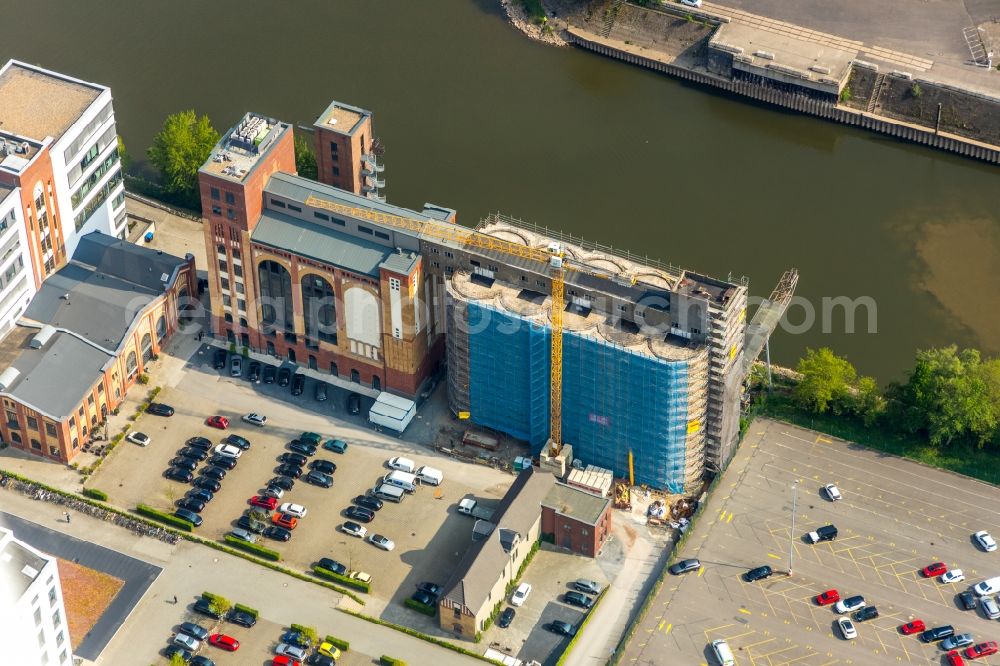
{"x":33,"y":626}
{"x":16,"y":284}
{"x":59,"y":147}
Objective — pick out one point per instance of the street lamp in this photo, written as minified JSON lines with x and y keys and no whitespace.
{"x":791,"y":535}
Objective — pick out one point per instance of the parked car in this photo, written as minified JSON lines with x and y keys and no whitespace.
{"x":981,"y":650}
{"x":832,"y":492}
{"x":190,"y":516}
{"x":354,"y":404}
{"x":320,"y":394}
{"x":277,"y":533}
{"x":520,"y":594}
{"x":296,"y":638}
{"x":850,"y":604}
{"x":935,"y":569}
{"x":193,"y":453}
{"x":937,"y":633}
{"x":207,"y":483}
{"x":985,"y":541}
{"x":224,"y":642}
{"x":292,"y":651}
{"x":241,"y":618}
{"x":284,"y":660}
{"x":178,"y":474}
{"x":324,"y":466}
{"x":290,"y":458}
{"x":966,"y":599}
{"x":587,"y":586}
{"x":368,"y":502}
{"x":423,"y":598}
{"x":183,"y":463}
{"x":955,"y":658}
{"x":317,"y":659}
{"x":990,"y":608}
{"x":253,"y":418}
{"x":953,"y":576}
{"x":684,"y":566}
{"x":561,"y":627}
{"x":220,"y":422}
{"x":957,"y":641}
{"x":250,"y":525}
{"x":193,"y":629}
{"x":228,"y":450}
{"x":298,"y":384}
{"x":866,"y":613}
{"x":758,"y":573}
{"x":220,"y":359}
{"x":354,"y":529}
{"x":335,"y":445}
{"x":203,"y":606}
{"x":293,"y":471}
{"x":692,"y":3}
{"x":283,"y":482}
{"x":506,"y":617}
{"x":284,"y":376}
{"x":201,"y":495}
{"x":175,"y":649}
{"x":332,"y":565}
{"x":319,"y":479}
{"x":827,"y":598}
{"x":296,"y":510}
{"x":312,"y":438}
{"x":432,"y":589}
{"x":195,"y":506}
{"x":274,"y":491}
{"x":359,"y":513}
{"x":304,"y":448}
{"x":578,"y":599}
{"x":264,"y":502}
{"x":243,"y":535}
{"x":847,"y":629}
{"x":914,"y":627}
{"x":285,"y":520}
{"x":236,"y":366}
{"x":269,"y":374}
{"x":224,"y":462}
{"x":203,"y":443}
{"x":381,"y":541}
{"x":140,"y":438}
{"x":253,"y":372}
{"x":159,"y":409}
{"x":328,"y":650}
{"x":239,"y":442}
{"x":402,"y":464}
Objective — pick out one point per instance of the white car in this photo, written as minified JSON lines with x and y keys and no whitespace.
{"x":850,"y":604}
{"x":691,"y":3}
{"x":228,"y":450}
{"x":189,"y":642}
{"x":354,"y":529}
{"x":256,"y":419}
{"x":520,"y":594}
{"x":985,"y":541}
{"x":383,"y":542}
{"x":140,"y":438}
{"x":293,"y":651}
{"x":402,"y":464}
{"x":847,"y":628}
{"x":953,"y":576}
{"x":296,"y":510}
{"x":833,"y":492}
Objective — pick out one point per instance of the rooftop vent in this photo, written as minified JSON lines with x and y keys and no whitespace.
{"x":766,"y":55}
{"x":8,"y":377}
{"x":43,"y":336}
{"x":29,"y":571}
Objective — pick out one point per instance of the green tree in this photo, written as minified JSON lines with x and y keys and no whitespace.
{"x":310,"y":633}
{"x":869,"y":403}
{"x":305,"y":159}
{"x":177,"y":660}
{"x":180,"y":148}
{"x":220,"y":605}
{"x":123,"y":155}
{"x":826,"y":381}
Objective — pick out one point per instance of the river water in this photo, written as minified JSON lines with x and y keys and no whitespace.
{"x":476,"y":117}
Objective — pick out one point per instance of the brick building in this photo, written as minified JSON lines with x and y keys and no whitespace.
{"x":576,"y":520}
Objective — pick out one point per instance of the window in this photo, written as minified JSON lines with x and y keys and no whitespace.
{"x":14,"y":437}
{"x":437,"y":264}
{"x":63,"y":656}
{"x":394,"y":284}
{"x":12,"y":420}
{"x":57,"y":619}
{"x":52,"y":596}
{"x":223,"y":266}
{"x":458,"y":613}
{"x":36,"y":445}
{"x":220,"y":248}
{"x":38,"y":623}
{"x":33,"y":423}
{"x":335,"y":170}
{"x":241,"y":304}
{"x":215,"y":193}
{"x":365,"y":230}
{"x":225,"y":283}
{"x":50,"y":429}
{"x":622,"y":308}
{"x":322,"y":216}
{"x":54,"y":451}
{"x":229,"y":318}
{"x":338,"y":222}
{"x":277,"y":204}
{"x":295,"y":208}
{"x":539,"y":283}
{"x":230,"y":213}
{"x":238,"y":270}
{"x":230,"y":198}
{"x":450,"y":255}
{"x":333,"y":147}
{"x":382,"y":235}
{"x":584,"y":532}
{"x":227,"y":301}
{"x":240,"y":289}
{"x":216,"y":210}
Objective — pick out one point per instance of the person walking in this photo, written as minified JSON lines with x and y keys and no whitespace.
{"x":175,"y":598}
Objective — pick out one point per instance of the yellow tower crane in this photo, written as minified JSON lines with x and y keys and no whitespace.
{"x":552,"y":256}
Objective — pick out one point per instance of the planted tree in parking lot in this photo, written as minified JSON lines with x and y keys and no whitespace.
{"x":257,"y":516}
{"x":310,"y":633}
{"x":177,"y":659}
{"x":220,"y":605}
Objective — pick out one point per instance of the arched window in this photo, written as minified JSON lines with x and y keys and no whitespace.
{"x":376,"y":383}
{"x":275,"y":296}
{"x":319,"y":308}
{"x":147,"y":347}
{"x":161,"y":327}
{"x":229,"y":318}
{"x":355,"y":376}
{"x":130,"y":365}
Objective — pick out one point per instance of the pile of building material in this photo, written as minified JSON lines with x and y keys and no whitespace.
{"x":591,"y":478}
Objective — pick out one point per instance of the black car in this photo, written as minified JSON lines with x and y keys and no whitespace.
{"x":296,"y":459}
{"x":294,"y":471}
{"x":320,"y":391}
{"x":225,"y":462}
{"x":253,"y":371}
{"x":268,"y":375}
{"x":201,"y":495}
{"x":304,"y":448}
{"x":213,"y":472}
{"x":354,"y":404}
{"x":201,"y":660}
{"x":283,"y":482}
{"x":432,"y":589}
{"x":249,"y":525}
{"x":325,"y":466}
{"x":199,"y":443}
{"x":183,"y":463}
{"x":239,"y":442}
{"x":220,"y":359}
{"x":207,"y":484}
{"x":242,"y":618}
{"x":190,"y":516}
{"x":506,"y":617}
{"x":194,"y":630}
{"x":193,"y":453}
{"x":360,"y":514}
{"x":177,"y":649}
{"x":298,"y":384}
{"x":296,"y":638}
{"x":319,"y":479}
{"x":677,"y":568}
{"x":937,"y":633}
{"x":561,"y":627}
{"x":967,"y":600}
{"x":194,"y":505}
{"x":277,"y":533}
{"x":284,"y":376}
{"x":177,"y":474}
{"x":317,"y":659}
{"x":423,"y":598}
{"x":159,"y":409}
{"x":332,"y":565}
{"x":866,"y":613}
{"x":205,"y":608}
{"x":578,"y":599}
{"x":760,"y":573}
{"x":368,"y":502}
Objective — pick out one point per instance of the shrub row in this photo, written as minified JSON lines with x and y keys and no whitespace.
{"x":420,"y":608}
{"x":352,"y":582}
{"x":579,"y":630}
{"x":96,"y":494}
{"x":339,"y":643}
{"x":418,"y":634}
{"x":391,"y":661}
{"x":162,"y":516}
{"x":247,"y":610}
{"x":260,"y":551}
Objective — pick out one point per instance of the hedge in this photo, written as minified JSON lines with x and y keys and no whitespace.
{"x":94,"y":493}
{"x":579,"y":630}
{"x":247,"y":610}
{"x":266,"y":553}
{"x":164,"y":517}
{"x":339,"y":643}
{"x":418,"y":634}
{"x":391,"y":661}
{"x":420,"y":608}
{"x":330,"y":575}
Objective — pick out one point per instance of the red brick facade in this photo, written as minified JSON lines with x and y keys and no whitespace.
{"x":580,"y":537}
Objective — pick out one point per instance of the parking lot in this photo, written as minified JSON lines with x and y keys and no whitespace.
{"x":895,"y":518}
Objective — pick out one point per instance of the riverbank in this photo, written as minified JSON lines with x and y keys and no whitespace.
{"x":533,"y":19}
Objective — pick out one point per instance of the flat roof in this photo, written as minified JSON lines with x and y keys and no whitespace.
{"x":575,"y":503}
{"x":242,"y":146}
{"x":340,"y":117}
{"x":5,"y":192}
{"x":20,"y":566}
{"x":36,"y":103}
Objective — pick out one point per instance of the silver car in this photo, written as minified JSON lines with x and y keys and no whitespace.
{"x":186,"y":641}
{"x":957,"y":641}
{"x":289,"y":650}
{"x":990,"y":607}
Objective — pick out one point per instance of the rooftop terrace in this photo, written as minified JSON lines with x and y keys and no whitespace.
{"x":341,"y":117}
{"x":36,"y":103}
{"x":241,"y":148}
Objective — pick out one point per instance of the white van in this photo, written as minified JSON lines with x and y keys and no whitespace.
{"x":407,"y":482}
{"x":430,"y":476}
{"x":722,"y":653}
{"x":988,"y":586}
{"x":402,"y":464}
{"x":388,"y":493}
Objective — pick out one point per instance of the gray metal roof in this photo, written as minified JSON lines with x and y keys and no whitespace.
{"x":575,"y":503}
{"x":321,"y":243}
{"x":20,"y":567}
{"x":134,"y":263}
{"x":400,"y":262}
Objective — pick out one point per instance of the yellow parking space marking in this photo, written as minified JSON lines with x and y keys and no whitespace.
{"x":773,"y":556}
{"x":669,"y":627}
{"x":745,"y":611}
{"x":730,"y":518}
{"x":660,"y":628}
{"x":701,"y":570}
{"x":824,"y":440}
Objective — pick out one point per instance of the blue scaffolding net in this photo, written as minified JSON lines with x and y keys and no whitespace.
{"x":614,"y":400}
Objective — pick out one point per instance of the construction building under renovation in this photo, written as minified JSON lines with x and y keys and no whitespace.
{"x":586,"y":353}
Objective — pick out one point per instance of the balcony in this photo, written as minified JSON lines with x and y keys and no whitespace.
{"x":371,"y":163}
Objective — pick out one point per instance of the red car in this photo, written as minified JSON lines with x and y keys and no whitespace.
{"x":264,"y":502}
{"x":220,"y":422}
{"x":981,"y":650}
{"x":932,"y":570}
{"x":955,"y":659}
{"x":828,"y":597}
{"x":912,"y":627}
{"x":284,"y":660}
{"x":285,"y":520}
{"x":227,"y":643}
